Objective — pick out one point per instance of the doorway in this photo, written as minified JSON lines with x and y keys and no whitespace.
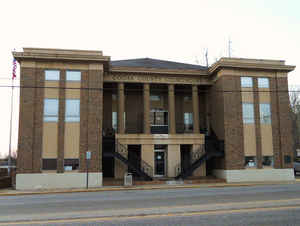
{"x":185,"y":154}
{"x":159,"y":160}
{"x":134,"y":157}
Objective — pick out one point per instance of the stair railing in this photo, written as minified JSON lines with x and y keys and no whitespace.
{"x":195,"y":155}
{"x":143,"y":166}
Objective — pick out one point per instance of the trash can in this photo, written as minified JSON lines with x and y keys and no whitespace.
{"x":128,"y":179}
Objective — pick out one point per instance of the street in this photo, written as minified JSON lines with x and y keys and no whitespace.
{"x":249,"y":205}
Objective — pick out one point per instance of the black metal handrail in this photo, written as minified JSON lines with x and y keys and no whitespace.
{"x":143,"y":166}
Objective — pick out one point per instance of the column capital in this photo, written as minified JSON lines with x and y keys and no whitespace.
{"x":195,"y":88}
{"x":171,"y":87}
{"x":120,"y":85}
{"x":146,"y":86}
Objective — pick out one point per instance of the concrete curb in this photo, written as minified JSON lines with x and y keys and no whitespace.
{"x":217,"y":185}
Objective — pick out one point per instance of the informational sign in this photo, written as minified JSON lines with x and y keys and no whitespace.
{"x":88,"y":155}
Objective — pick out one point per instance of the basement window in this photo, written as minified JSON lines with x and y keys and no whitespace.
{"x":71,"y":164}
{"x":49,"y":164}
{"x":250,"y":162}
{"x":268,"y":161}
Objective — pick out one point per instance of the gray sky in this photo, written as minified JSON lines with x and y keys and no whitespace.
{"x":169,"y":30}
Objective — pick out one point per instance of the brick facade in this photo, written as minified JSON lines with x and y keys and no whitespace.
{"x":216,"y":105}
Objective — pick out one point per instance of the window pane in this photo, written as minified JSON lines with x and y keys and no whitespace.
{"x":114,"y":120}
{"x":250,"y":161}
{"x":49,"y":164}
{"x":71,"y":164}
{"x":72,"y":110}
{"x":263,"y":83}
{"x":188,"y":121}
{"x":73,"y":75}
{"x":187,"y":98}
{"x":265,"y":113}
{"x":246,"y":82}
{"x":155,"y":97}
{"x":268,"y":161}
{"x":248,"y":113}
{"x":51,"y":110}
{"x":52,"y":75}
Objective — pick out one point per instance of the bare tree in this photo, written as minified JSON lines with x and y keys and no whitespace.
{"x":295,"y":116}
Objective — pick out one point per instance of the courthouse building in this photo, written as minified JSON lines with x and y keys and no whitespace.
{"x":153,"y":118}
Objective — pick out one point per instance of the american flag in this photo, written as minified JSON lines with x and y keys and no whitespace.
{"x":14,"y":71}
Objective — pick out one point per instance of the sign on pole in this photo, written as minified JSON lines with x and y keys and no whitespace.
{"x":88,"y":155}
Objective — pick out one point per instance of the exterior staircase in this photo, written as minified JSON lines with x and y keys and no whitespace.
{"x":143,"y":169}
{"x":213,"y":148}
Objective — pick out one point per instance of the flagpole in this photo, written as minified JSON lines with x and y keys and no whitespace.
{"x":10,"y":126}
{"x":11,"y":114}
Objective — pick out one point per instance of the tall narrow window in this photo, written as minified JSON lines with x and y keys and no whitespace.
{"x":114,"y":120}
{"x":50,"y":110}
{"x":263,"y":82}
{"x":248,"y":113}
{"x":72,"y":110}
{"x":52,"y":75}
{"x":246,"y":82}
{"x":73,"y":76}
{"x":188,"y":121}
{"x":265,"y":113}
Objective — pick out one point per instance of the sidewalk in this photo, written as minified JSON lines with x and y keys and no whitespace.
{"x":11,"y":192}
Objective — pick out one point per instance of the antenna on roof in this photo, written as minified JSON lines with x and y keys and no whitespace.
{"x":206,"y":57}
{"x":229,"y":47}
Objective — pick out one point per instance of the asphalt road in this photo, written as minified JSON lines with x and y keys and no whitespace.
{"x":255,"y":205}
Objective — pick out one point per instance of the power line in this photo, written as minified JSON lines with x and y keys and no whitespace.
{"x":153,"y":89}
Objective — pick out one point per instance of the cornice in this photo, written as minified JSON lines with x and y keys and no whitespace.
{"x":250,"y":64}
{"x":58,"y":57}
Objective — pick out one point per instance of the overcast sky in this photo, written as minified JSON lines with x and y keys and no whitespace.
{"x":168,"y":30}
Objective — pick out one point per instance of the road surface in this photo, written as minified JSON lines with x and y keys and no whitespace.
{"x":251,"y":205}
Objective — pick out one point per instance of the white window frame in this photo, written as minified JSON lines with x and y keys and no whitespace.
{"x":263,"y":83}
{"x":52,"y":77}
{"x":73,"y":76}
{"x":248,"y":120}
{"x":69,"y":116}
{"x":51,"y":117}
{"x":246,"y":82}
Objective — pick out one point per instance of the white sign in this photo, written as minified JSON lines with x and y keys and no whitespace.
{"x":88,"y":155}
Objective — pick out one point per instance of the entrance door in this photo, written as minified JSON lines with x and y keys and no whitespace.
{"x":159,"y":162}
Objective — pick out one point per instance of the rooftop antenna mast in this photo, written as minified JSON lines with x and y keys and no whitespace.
{"x":229,"y":48}
{"x":206,"y":57}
